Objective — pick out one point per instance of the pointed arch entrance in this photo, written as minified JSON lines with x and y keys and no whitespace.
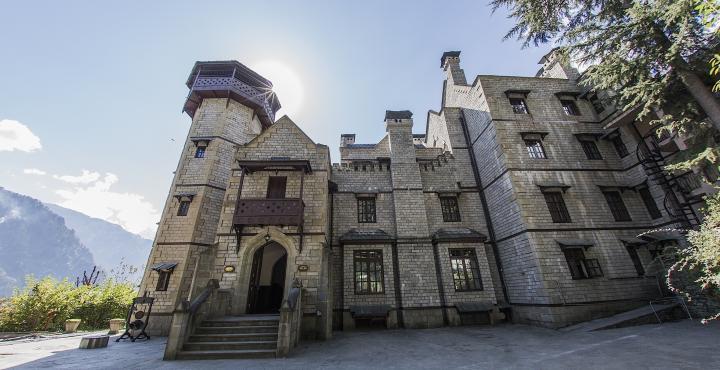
{"x":267,"y":279}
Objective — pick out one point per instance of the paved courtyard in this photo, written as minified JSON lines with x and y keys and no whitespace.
{"x":679,"y":345}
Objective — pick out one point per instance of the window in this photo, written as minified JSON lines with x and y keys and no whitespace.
{"x":183,"y":208}
{"x":519,"y":106}
{"x":597,"y":104}
{"x":650,"y":204}
{"x":620,"y":147}
{"x":366,"y":210}
{"x":276,"y":187}
{"x":466,"y":275}
{"x":450,"y":209}
{"x":535,"y":148}
{"x":163,"y":280}
{"x":617,"y":206}
{"x":200,"y":152}
{"x":632,"y":251}
{"x":580,"y":267}
{"x":369,"y":278}
{"x":570,"y":108}
{"x":590,"y":149}
{"x":556,"y":206}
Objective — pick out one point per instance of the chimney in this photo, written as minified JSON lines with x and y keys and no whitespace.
{"x":553,"y":66}
{"x":347,"y":139}
{"x":450,"y":63}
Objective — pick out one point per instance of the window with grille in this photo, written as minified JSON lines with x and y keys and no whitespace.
{"x":450,"y":209}
{"x":366,"y":210}
{"x":163,"y":280}
{"x":519,"y":106}
{"x":650,"y":204}
{"x":591,"y":150}
{"x":570,"y":108}
{"x":617,"y":206}
{"x":632,"y":251}
{"x":620,"y":147}
{"x":369,"y":278}
{"x":581,"y":267}
{"x":183,"y":208}
{"x":597,"y":104}
{"x":535,"y":148}
{"x":465,"y":271}
{"x":200,"y":152}
{"x":556,"y":206}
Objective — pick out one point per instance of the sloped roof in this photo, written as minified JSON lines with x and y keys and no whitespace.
{"x":458,"y":234}
{"x":365,"y":236}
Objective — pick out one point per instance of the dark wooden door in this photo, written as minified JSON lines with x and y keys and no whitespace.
{"x":255,"y":272}
{"x":276,"y":187}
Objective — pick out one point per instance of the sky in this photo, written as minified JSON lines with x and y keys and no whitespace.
{"x":92,"y":91}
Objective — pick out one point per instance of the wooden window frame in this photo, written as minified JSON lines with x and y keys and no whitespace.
{"x":617,"y":206}
{"x":535,"y":148}
{"x":570,"y":107}
{"x":465,"y":270}
{"x":582,"y":268}
{"x":183,"y":207}
{"x":366,"y":210}
{"x":200,"y":152}
{"x":620,"y":147}
{"x":519,"y":105}
{"x":635,"y":258}
{"x":557,"y":207}
{"x":370,"y":262}
{"x":450,"y":209}
{"x":592,"y":152}
{"x":163,"y":280}
{"x":650,"y":205}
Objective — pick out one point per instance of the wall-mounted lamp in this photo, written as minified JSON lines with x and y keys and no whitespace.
{"x":267,"y":236}
{"x":229,"y":268}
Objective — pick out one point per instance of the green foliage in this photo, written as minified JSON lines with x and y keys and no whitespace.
{"x":702,"y":258}
{"x":44,"y":305}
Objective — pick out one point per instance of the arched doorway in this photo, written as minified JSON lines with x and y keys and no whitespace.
{"x":267,"y":279}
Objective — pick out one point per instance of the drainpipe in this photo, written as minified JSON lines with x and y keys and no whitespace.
{"x":396,"y":281}
{"x":441,"y":287}
{"x":483,"y":200}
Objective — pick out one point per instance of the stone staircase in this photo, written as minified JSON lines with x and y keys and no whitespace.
{"x":247,"y":336}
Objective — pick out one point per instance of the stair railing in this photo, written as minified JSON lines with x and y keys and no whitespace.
{"x":185,"y":317}
{"x":291,"y":315}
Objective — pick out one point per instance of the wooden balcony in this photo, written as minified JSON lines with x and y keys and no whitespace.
{"x":263,"y":211}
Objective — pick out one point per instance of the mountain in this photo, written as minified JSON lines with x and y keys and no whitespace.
{"x":34,"y":240}
{"x":110,"y":244}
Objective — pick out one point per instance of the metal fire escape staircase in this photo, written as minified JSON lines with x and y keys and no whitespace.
{"x":653,"y":162}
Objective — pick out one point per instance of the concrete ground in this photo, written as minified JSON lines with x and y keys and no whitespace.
{"x":678,"y":345}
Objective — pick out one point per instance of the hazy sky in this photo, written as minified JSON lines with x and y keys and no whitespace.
{"x":91,"y":92}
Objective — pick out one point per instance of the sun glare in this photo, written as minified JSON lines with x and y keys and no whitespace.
{"x":286,"y":84}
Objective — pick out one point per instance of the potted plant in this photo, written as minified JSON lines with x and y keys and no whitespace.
{"x":71,"y":325}
{"x":116,"y":325}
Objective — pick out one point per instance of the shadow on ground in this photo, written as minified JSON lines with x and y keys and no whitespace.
{"x":685,"y":344}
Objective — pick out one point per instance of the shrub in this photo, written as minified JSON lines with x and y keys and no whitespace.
{"x":44,"y":305}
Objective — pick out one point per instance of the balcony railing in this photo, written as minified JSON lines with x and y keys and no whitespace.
{"x":263,"y":211}
{"x":688,"y":182}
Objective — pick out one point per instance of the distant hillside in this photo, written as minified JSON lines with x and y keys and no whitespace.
{"x":34,"y":240}
{"x":108,"y":242}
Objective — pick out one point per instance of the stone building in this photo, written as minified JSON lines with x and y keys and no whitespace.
{"x":526,"y":199}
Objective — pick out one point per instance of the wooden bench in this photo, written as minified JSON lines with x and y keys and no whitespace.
{"x":475,"y":307}
{"x":370,"y":312}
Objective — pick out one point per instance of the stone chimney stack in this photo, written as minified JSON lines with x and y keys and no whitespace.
{"x":450,"y":63}
{"x":347,"y":139}
{"x":554,"y":67}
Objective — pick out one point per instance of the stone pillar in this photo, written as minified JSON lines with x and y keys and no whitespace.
{"x":416,"y":263}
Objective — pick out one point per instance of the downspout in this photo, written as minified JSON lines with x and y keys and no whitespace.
{"x":483,"y":200}
{"x":396,"y":281}
{"x":441,"y":287}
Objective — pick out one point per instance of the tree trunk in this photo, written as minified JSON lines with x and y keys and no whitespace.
{"x":703,"y":96}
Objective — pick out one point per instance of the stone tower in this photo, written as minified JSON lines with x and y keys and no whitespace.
{"x":229,"y":105}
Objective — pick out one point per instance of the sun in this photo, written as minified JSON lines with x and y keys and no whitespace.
{"x":286,"y":85}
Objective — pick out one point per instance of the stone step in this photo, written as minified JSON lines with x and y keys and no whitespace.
{"x":232,"y":337}
{"x":229,"y":346}
{"x":218,"y":355}
{"x":223,"y":323}
{"x":246,"y":329}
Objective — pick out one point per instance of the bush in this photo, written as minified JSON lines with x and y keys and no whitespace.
{"x":44,"y":305}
